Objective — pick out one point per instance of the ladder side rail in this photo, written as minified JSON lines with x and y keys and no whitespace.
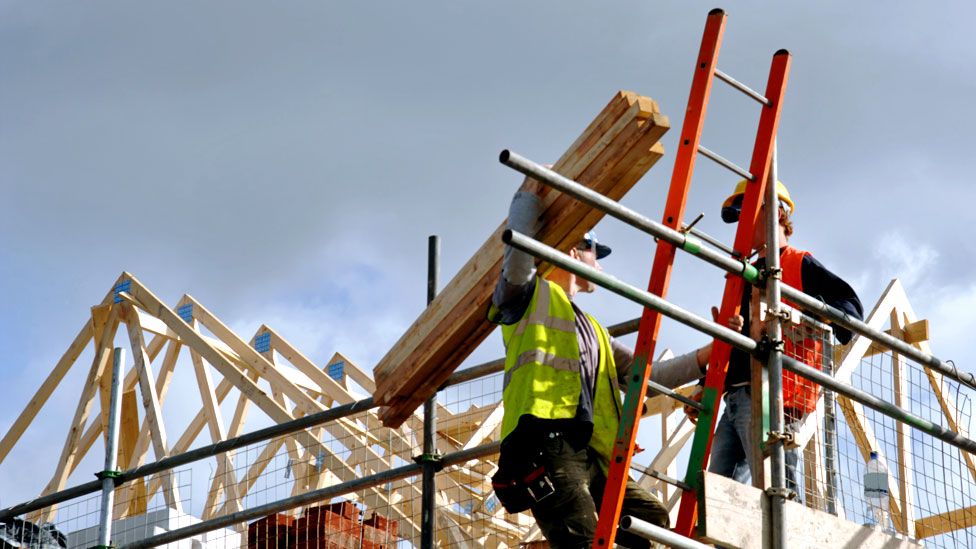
{"x":650,"y":324}
{"x":731,"y":298}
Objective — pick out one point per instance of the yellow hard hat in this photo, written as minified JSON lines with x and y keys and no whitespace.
{"x":732,"y":206}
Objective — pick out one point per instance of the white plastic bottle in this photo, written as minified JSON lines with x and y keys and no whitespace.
{"x":876,"y":491}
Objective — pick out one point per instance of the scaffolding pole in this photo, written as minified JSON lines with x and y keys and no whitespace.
{"x":778,"y":491}
{"x":108,"y":475}
{"x":430,"y":459}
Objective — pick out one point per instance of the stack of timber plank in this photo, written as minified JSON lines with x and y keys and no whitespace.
{"x":610,"y":156}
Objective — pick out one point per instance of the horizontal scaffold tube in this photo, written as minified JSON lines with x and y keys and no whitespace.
{"x":736,"y":267}
{"x":641,"y":297}
{"x":653,"y":532}
{"x":589,"y":196}
{"x":314,"y":496}
{"x":886,"y":340}
{"x":883,"y":406}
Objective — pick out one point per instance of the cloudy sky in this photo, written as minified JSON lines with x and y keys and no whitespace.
{"x":286,"y":164}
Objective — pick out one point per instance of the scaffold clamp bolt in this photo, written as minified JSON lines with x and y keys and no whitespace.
{"x":116,"y":476}
{"x":787,"y":438}
{"x":435,"y":458}
{"x":784,"y":493}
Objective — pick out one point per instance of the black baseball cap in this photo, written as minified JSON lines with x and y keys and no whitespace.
{"x":590,"y":242}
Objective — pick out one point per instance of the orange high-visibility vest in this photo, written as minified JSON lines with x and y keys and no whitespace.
{"x":799,"y":392}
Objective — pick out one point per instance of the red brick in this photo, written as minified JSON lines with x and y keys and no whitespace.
{"x":383,"y":524}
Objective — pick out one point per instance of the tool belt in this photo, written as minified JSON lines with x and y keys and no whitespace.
{"x":522,"y":479}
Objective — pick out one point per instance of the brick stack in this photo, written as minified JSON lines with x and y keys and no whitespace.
{"x":379,"y":532}
{"x":332,"y":526}
{"x":271,"y":532}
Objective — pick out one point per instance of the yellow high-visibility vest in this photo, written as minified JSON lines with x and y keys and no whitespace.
{"x":542,"y":368}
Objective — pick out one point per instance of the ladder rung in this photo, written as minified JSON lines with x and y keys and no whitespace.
{"x":709,"y":239}
{"x":660,"y":476}
{"x":741,"y":87}
{"x":658,"y":388}
{"x":725,"y":163}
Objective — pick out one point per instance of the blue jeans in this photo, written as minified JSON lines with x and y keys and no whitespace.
{"x":732,"y":446}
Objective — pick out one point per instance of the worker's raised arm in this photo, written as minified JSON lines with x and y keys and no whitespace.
{"x":513,"y":292}
{"x":673,"y":372}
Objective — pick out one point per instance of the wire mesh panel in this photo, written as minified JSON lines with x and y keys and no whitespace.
{"x":75,"y":523}
{"x":808,"y":416}
{"x":930,"y":483}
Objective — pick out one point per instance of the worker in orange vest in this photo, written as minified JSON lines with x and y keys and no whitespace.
{"x":732,"y":446}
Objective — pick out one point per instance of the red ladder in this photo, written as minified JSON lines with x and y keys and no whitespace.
{"x":688,"y":148}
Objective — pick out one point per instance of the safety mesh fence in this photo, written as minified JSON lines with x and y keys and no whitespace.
{"x":834,"y":440}
{"x":386,"y":514}
{"x":811,"y":468}
{"x":137,"y":514}
{"x":930,"y":483}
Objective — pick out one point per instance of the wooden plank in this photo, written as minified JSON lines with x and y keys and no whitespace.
{"x":150,"y":303}
{"x":224,"y":475}
{"x":737,"y":515}
{"x":906,"y":469}
{"x":446,"y":332}
{"x":50,"y":383}
{"x":324,"y":382}
{"x":253,"y":359}
{"x":353,"y":372}
{"x":128,"y":433}
{"x":69,"y":454}
{"x":944,"y":523}
{"x":151,"y":404}
{"x":914,"y":332}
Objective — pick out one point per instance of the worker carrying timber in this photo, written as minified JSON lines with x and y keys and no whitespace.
{"x":732,"y":446}
{"x":561,"y":392}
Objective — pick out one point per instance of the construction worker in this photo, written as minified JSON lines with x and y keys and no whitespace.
{"x":733,"y":445}
{"x":561,"y":392}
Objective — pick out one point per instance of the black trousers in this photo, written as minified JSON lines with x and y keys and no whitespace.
{"x":568,"y":517}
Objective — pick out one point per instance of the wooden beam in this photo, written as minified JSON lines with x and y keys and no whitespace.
{"x":737,"y":515}
{"x":150,"y":303}
{"x":913,"y":332}
{"x":224,"y":476}
{"x":943,"y":523}
{"x":325,"y":383}
{"x":69,"y":454}
{"x":50,"y":383}
{"x":906,"y":469}
{"x":128,"y":433}
{"x":151,"y":404}
{"x":252,"y":359}
{"x":618,"y":147}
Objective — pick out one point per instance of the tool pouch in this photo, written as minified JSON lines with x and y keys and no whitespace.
{"x":521,"y":483}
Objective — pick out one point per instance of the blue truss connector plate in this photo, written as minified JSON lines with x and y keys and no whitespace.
{"x":186,"y":313}
{"x":262,"y":342}
{"x":123,"y":286}
{"x":337,"y":370}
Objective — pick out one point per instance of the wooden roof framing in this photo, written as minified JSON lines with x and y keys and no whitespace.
{"x":275,"y":379}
